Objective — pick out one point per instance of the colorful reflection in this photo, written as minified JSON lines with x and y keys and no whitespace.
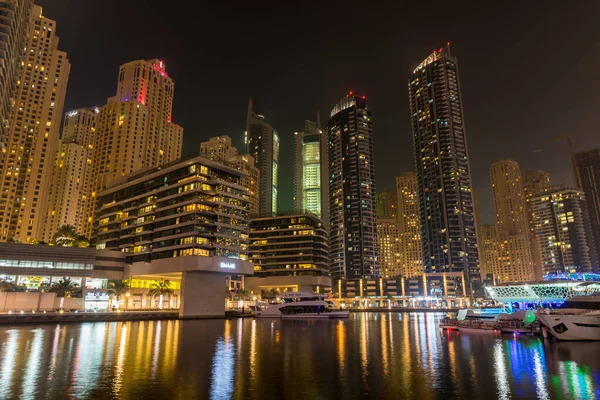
{"x":369,"y":355}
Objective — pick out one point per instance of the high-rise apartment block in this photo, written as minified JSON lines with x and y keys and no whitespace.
{"x":220,"y":149}
{"x":411,"y":252}
{"x":71,"y":175}
{"x":512,"y":222}
{"x":262,"y":143}
{"x":14,"y":25}
{"x":352,"y":208}
{"x":563,"y":231}
{"x":387,"y":206}
{"x":535,"y":182}
{"x":492,"y":250}
{"x":134,"y":129}
{"x":586,"y":174}
{"x":33,"y":132}
{"x":447,"y":219}
{"x":388,"y":241}
{"x":311,"y":183}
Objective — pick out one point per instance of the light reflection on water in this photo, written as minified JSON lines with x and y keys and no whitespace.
{"x":386,"y":355}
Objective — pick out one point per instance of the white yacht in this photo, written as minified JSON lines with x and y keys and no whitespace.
{"x":578,"y":318}
{"x":302,"y":305}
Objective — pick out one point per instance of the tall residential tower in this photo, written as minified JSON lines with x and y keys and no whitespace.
{"x":411,"y":251}
{"x":447,"y":219}
{"x":33,"y":132}
{"x":352,"y":209}
{"x":311,"y":184}
{"x":134,"y":128}
{"x":14,"y":24}
{"x":263,"y":144}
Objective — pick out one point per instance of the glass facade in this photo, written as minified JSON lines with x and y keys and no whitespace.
{"x":311,"y":177}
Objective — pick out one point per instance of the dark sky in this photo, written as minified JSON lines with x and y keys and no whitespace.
{"x":530,"y":70}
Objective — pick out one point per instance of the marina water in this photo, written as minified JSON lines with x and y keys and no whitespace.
{"x":370,"y":355}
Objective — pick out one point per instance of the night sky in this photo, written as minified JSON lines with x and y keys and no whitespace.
{"x":529,"y":71}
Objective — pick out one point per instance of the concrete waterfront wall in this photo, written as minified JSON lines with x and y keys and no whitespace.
{"x":27,"y":301}
{"x":202,"y":295}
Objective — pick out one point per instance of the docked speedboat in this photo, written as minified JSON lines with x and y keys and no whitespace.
{"x":491,"y":321}
{"x":302,"y":305}
{"x":578,"y":318}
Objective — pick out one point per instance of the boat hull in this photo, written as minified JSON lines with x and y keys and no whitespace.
{"x":477,"y":330}
{"x":572,"y":327}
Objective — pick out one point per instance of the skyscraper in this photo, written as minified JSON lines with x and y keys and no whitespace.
{"x":220,"y":149}
{"x":388,"y":243}
{"x":492,"y":250}
{"x":134,"y":128}
{"x":263,"y":144}
{"x":311,"y":184}
{"x":33,"y":132}
{"x":387,"y":206}
{"x":71,"y":175}
{"x":535,"y":182}
{"x":512,"y":222}
{"x":411,"y":252}
{"x":447,"y":220}
{"x":352,"y":209}
{"x":14,"y":24}
{"x":586,"y":174}
{"x":563,"y":231}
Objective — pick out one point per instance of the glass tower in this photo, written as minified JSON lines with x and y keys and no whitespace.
{"x":352,"y":208}
{"x":310,"y":172}
{"x":446,"y":208}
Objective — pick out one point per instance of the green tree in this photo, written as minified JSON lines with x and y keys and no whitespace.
{"x":228,"y":294}
{"x":117,"y":289}
{"x":243,"y":294}
{"x":161,"y":288}
{"x":64,"y":287}
{"x":67,"y":236}
{"x":6,"y":286}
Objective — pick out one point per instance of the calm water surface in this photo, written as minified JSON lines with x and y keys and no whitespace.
{"x":387,"y":355}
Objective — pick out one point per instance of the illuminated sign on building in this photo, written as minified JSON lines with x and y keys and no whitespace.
{"x":227,"y":265}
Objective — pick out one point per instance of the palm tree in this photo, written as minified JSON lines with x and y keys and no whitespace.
{"x":67,"y":236}
{"x":161,"y":288}
{"x":6,"y":286}
{"x":228,"y":294}
{"x":243,"y":294}
{"x":117,"y":289}
{"x":64,"y":287}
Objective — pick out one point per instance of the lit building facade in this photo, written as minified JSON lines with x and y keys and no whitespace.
{"x":311,"y":184}
{"x":33,"y":133}
{"x":388,"y":241}
{"x":512,"y":223}
{"x":563,"y":231}
{"x":71,"y":175}
{"x":386,"y":205}
{"x":535,"y":182}
{"x":289,"y":244}
{"x":411,"y":252}
{"x":218,"y":148}
{"x":14,"y":23}
{"x":192,"y":207}
{"x":586,"y":174}
{"x":262,"y":143}
{"x":134,"y":129}
{"x":492,"y":250}
{"x":352,"y":207}
{"x":447,"y":220}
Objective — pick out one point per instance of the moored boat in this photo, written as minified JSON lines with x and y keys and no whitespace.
{"x":300,"y":305}
{"x":577,"y":319}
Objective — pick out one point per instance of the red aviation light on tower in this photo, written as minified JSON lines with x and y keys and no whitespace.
{"x":351,"y":92}
{"x":364,"y":97}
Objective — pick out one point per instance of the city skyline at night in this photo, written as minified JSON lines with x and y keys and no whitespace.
{"x":494,"y":59}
